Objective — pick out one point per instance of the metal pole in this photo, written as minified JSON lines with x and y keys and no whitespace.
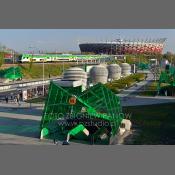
{"x":13,"y":64}
{"x":111,"y":47}
{"x":43,"y":76}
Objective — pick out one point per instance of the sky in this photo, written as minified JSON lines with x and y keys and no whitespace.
{"x":64,"y":40}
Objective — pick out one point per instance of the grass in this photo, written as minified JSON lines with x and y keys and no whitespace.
{"x":35,"y":70}
{"x":155,"y":122}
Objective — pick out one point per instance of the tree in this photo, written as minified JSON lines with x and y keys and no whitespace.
{"x":170,"y":57}
{"x":31,"y":63}
{"x":1,"y":58}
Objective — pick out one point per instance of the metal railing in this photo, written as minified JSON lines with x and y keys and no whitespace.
{"x":25,"y":84}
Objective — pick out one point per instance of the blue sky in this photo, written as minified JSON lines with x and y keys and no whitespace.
{"x":67,"y":39}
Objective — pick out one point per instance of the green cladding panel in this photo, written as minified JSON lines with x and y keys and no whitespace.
{"x":167,"y":77}
{"x":97,"y":102}
{"x":12,"y":73}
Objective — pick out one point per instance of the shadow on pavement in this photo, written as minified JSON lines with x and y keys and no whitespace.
{"x":19,"y":127}
{"x":21,"y":110}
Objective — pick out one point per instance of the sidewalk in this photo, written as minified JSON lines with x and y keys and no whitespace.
{"x":20,"y":125}
{"x":131,"y":90}
{"x":22,"y":105}
{"x":141,"y":100}
{"x":129,"y":98}
{"x":24,"y":111}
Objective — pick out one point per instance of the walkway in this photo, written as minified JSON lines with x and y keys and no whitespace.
{"x":136,"y":87}
{"x":20,"y":124}
{"x":129,"y":96}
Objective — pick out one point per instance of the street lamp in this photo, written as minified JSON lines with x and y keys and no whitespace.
{"x":13,"y":64}
{"x":43,"y":76}
{"x":42,"y":66}
{"x":111,"y":47}
{"x":43,"y":71}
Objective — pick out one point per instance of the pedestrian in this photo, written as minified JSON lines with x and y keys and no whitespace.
{"x":126,"y":86}
{"x":15,"y":99}
{"x":11,"y":96}
{"x":6,"y":99}
{"x":20,"y":96}
{"x":18,"y":99}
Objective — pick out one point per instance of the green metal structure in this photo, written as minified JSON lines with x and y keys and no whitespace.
{"x":79,"y":128}
{"x":96,"y":109}
{"x":12,"y":73}
{"x":143,"y":66}
{"x":167,"y":79}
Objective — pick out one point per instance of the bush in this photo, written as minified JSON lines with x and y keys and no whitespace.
{"x":1,"y":58}
{"x":112,"y":88}
{"x":128,"y":81}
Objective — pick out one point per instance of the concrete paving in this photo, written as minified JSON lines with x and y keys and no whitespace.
{"x":137,"y":86}
{"x":20,"y":124}
{"x":143,"y":100}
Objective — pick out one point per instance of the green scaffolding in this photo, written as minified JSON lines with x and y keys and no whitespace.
{"x":167,"y":78}
{"x":12,"y":73}
{"x":98,"y":102}
{"x":143,"y":66}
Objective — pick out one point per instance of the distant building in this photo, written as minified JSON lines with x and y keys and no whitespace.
{"x":8,"y":53}
{"x":122,"y":47}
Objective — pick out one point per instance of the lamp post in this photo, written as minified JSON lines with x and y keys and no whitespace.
{"x":43,"y":72}
{"x":43,"y":76}
{"x":111,"y":47}
{"x":13,"y":64}
{"x":42,"y":66}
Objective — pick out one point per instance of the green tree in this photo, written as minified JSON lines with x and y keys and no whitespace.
{"x":1,"y":58}
{"x":170,"y":57}
{"x":31,"y":63}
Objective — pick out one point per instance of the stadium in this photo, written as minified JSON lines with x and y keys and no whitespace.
{"x":123,"y":47}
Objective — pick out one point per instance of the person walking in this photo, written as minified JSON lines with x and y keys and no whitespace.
{"x":6,"y":99}
{"x":18,"y":99}
{"x":15,"y":99}
{"x":11,"y":94}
